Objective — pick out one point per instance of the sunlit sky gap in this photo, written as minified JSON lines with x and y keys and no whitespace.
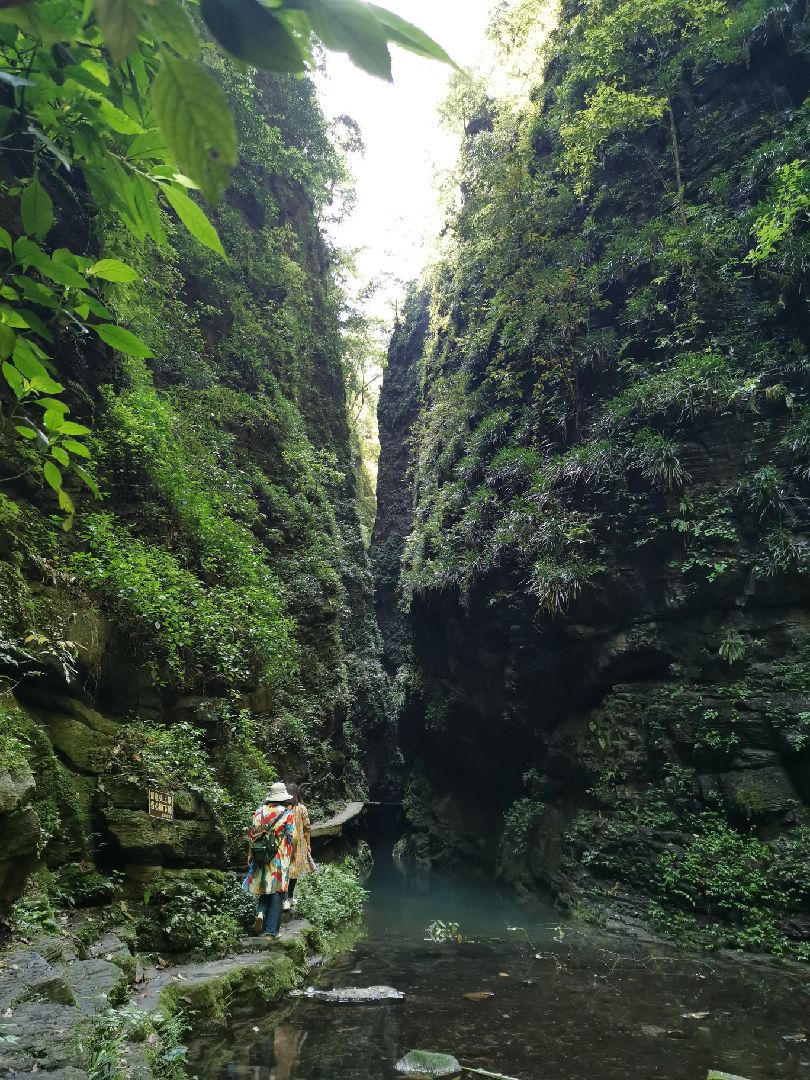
{"x":397,"y":213}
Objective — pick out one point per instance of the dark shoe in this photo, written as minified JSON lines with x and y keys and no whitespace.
{"x":258,"y":924}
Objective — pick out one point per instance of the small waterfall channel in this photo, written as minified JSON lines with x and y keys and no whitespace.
{"x":555,"y":1002}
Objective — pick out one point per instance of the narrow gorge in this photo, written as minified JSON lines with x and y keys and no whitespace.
{"x":573,"y":651}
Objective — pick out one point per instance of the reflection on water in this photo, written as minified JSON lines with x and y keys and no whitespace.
{"x":565,"y":1005}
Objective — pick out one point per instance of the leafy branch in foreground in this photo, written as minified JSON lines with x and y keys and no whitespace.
{"x":106,"y":106}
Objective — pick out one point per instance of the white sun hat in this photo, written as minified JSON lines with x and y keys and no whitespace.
{"x":278,"y":793}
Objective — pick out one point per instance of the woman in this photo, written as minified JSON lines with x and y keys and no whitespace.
{"x":302,"y":862}
{"x":268,"y":879}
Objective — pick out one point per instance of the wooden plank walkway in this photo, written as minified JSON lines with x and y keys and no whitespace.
{"x":333,"y":826}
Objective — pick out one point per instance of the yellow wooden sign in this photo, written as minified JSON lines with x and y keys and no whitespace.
{"x":161,"y":805}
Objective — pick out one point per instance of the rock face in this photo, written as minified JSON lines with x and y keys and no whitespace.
{"x":19,"y":831}
{"x":605,"y":572}
{"x":396,"y":415}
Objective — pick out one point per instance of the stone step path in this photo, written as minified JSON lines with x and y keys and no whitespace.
{"x":189,"y":977}
{"x":333,"y":826}
{"x":50,"y":999}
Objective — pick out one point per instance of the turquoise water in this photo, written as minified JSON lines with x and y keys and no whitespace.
{"x":565,"y":1005}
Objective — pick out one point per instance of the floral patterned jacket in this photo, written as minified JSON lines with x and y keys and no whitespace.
{"x":271,"y":877}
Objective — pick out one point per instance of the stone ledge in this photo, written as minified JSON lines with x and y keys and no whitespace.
{"x":209,"y":992}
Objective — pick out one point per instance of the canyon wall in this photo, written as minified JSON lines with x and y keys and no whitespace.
{"x":594,"y":589}
{"x":207,"y":625}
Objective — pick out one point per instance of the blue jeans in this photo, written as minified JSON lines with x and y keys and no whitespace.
{"x":270,"y":904}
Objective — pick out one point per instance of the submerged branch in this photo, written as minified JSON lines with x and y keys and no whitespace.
{"x":486,"y":1072}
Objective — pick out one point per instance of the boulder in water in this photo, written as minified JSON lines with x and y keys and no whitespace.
{"x":426,"y":1063}
{"x":715,"y":1074}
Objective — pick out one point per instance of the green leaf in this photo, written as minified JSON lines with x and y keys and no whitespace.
{"x":67,"y":427}
{"x":66,"y":504}
{"x":350,"y":26}
{"x":88,"y":479}
{"x":52,"y":403}
{"x":26,"y":362}
{"x":5,"y":239}
{"x":11,"y":317}
{"x":193,"y":114}
{"x":148,"y":209}
{"x":26,"y":432}
{"x":94,"y":306}
{"x":150,"y":145}
{"x":248,"y":31}
{"x":97,"y":70}
{"x":76,"y":448}
{"x":410,"y":37}
{"x":123,"y":341}
{"x":44,"y":384}
{"x":50,"y":144}
{"x":35,"y":291}
{"x":169,"y":21}
{"x":36,"y":208}
{"x":193,"y":218}
{"x":111,"y":183}
{"x":119,"y":25}
{"x":36,"y":324}
{"x":53,"y":475}
{"x":58,"y":454}
{"x":59,"y":272}
{"x":14,"y":379}
{"x":117,"y":119}
{"x":7,"y":341}
{"x":112,"y":270}
{"x":53,"y":419}
{"x":25,"y":248}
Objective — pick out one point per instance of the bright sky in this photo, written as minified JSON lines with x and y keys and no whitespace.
{"x":397,"y":214}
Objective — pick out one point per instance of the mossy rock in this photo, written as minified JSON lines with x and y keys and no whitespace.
{"x":16,"y":785}
{"x":19,"y":839}
{"x":160,"y":882}
{"x":427,"y":1063}
{"x":753,"y":793}
{"x":130,"y":793}
{"x":209,"y":995}
{"x":145,"y":839}
{"x":84,"y":748}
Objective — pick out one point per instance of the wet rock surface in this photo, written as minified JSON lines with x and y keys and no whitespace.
{"x":51,"y":1001}
{"x":351,"y":995}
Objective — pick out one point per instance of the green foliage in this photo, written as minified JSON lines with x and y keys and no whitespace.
{"x":740,"y":878}
{"x":520,"y":822}
{"x":439,"y":930}
{"x":116,"y":92}
{"x":577,"y":336}
{"x":199,"y":914}
{"x":789,"y":200}
{"x":732,"y":646}
{"x":33,"y":913}
{"x":237,"y":633}
{"x":608,"y":112}
{"x":112,"y":1029}
{"x":330,"y":898}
